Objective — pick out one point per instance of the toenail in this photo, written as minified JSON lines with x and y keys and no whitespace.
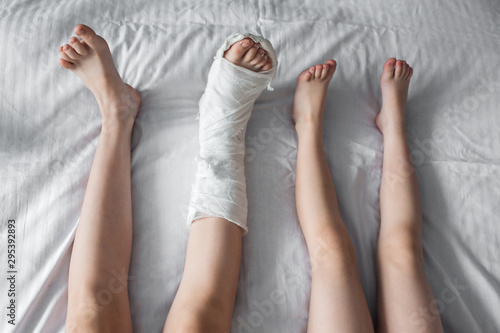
{"x":66,"y":48}
{"x":81,"y":31}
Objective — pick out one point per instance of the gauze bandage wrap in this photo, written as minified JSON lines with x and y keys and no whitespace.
{"x":225,"y":107}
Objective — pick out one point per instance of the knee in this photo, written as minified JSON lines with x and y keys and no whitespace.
{"x":195,"y":322}
{"x":209,"y":316}
{"x":332,"y":251}
{"x":403,"y":250}
{"x":84,"y":316}
{"x":95,"y":305}
{"x":94,"y":298}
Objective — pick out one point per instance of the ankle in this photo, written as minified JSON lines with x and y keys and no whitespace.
{"x":308,"y":127}
{"x":117,"y":126}
{"x":391,"y":128}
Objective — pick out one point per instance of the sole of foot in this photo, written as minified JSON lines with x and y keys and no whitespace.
{"x":248,"y":54}
{"x":394,"y":83}
{"x":90,"y":59}
{"x":310,"y":94}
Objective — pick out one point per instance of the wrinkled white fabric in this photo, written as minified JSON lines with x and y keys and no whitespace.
{"x":225,"y":107}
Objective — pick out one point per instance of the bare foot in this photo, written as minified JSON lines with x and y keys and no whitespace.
{"x":310,"y":94}
{"x":248,"y":54}
{"x":394,"y":83}
{"x":91,"y":60}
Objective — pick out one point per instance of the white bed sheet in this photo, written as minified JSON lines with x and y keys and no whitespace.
{"x":49,"y":126}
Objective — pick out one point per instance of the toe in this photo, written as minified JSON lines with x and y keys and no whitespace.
{"x":330,"y":66}
{"x":250,"y":54}
{"x":305,"y":76}
{"x":331,"y":62}
{"x":389,"y":68}
{"x":63,"y":55}
{"x":263,"y":62}
{"x":268,"y":65}
{"x":89,"y":36}
{"x":80,"y":48}
{"x":258,"y":57}
{"x":399,"y":69}
{"x":411,"y":72}
{"x":71,"y":52}
{"x":324,"y":72}
{"x":66,"y":64}
{"x":238,"y":49}
{"x":317,"y":72}
{"x":408,"y":68}
{"x":404,"y":69}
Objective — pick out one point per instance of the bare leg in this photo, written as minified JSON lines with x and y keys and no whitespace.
{"x":205,"y":299}
{"x":338,"y":303}
{"x":97,"y":286}
{"x":405,"y":300}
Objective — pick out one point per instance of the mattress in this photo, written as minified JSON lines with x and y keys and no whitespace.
{"x":50,"y":123}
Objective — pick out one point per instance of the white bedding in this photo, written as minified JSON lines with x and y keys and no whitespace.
{"x":49,"y":126}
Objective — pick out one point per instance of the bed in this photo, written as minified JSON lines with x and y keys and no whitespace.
{"x":49,"y":127}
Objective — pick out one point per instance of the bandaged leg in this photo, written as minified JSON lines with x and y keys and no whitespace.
{"x":225,"y":107}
